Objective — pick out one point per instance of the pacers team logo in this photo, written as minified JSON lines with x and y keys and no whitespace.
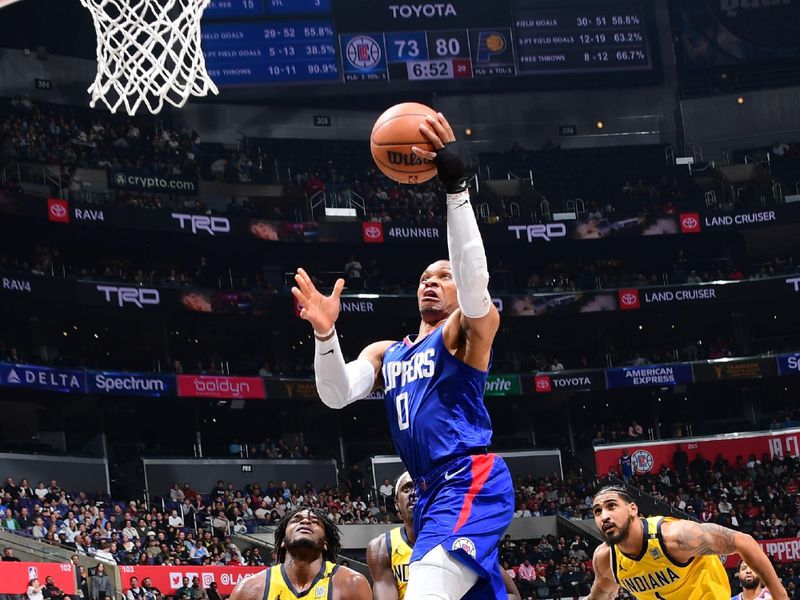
{"x":491,"y":44}
{"x":466,"y":545}
{"x":363,"y":52}
{"x":642,"y":461}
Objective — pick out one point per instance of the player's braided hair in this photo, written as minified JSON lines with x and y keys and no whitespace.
{"x":332,"y":537}
{"x":620,"y":490}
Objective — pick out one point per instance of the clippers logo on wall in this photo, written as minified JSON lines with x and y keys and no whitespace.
{"x":57,"y":210}
{"x":629,"y":299}
{"x":43,"y":378}
{"x":372,"y":232}
{"x":220,"y":386}
{"x":690,"y":222}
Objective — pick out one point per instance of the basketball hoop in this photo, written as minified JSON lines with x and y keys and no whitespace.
{"x":148,"y":52}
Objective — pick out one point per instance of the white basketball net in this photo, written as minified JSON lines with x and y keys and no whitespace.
{"x":148,"y":51}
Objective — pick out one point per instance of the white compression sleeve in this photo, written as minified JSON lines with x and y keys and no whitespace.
{"x":467,"y":257}
{"x":340,"y":384}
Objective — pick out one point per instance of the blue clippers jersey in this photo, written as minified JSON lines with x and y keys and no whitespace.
{"x":434,"y":403}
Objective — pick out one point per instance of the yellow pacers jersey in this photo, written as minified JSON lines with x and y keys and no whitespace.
{"x":399,"y":549}
{"x":279,"y":587}
{"x":654,"y":575}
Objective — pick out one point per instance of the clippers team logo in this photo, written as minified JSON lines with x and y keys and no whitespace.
{"x":543,"y":384}
{"x":372,"y":232}
{"x":629,"y":299}
{"x":690,"y":223}
{"x":57,"y":210}
{"x":363,"y":52}
{"x":466,"y":545}
{"x":642,"y":461}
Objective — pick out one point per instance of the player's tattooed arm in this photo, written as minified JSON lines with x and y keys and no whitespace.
{"x":699,"y":539}
{"x":685,"y":539}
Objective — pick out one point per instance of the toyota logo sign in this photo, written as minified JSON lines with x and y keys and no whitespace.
{"x":629,"y":299}
{"x":58,"y":211}
{"x":542,"y":384}
{"x":372,"y":232}
{"x":689,"y":222}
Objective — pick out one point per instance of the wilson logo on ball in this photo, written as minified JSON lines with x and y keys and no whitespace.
{"x":407,"y":160}
{"x":629,"y":299}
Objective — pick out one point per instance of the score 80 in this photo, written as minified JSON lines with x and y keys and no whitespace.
{"x":448,"y":44}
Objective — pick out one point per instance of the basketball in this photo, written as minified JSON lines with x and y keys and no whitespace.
{"x":393,"y":135}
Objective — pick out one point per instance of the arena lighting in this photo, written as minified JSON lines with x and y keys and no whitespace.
{"x":740,"y":100}
{"x":368,"y":296}
{"x":468,"y":132}
{"x":600,"y":125}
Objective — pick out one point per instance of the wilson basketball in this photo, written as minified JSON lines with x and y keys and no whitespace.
{"x":393,"y":135}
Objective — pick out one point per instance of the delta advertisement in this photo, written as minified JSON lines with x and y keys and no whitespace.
{"x":168,"y":579}
{"x":14,"y":576}
{"x":649,"y":456}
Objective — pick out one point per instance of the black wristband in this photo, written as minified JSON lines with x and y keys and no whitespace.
{"x":451,"y":169}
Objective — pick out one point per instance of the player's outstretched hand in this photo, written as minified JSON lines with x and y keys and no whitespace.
{"x":321,"y":311}
{"x":449,"y":165}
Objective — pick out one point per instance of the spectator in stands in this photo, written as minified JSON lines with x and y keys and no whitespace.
{"x":185,"y":589}
{"x":39,"y":530}
{"x":626,"y":466}
{"x":526,"y":576}
{"x":9,"y":522}
{"x":151,"y":592}
{"x":635,"y":431}
{"x":8,"y":555}
{"x":212,"y":592}
{"x":176,"y":494}
{"x":135,"y":592}
{"x":681,"y":461}
{"x":51,"y":591}
{"x":41,"y":491}
{"x":99,"y":584}
{"x":34,"y":591}
{"x":198,"y":593}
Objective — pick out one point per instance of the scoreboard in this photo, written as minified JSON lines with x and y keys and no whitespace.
{"x":249,"y":42}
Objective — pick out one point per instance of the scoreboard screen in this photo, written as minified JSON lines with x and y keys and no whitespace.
{"x":249,"y":42}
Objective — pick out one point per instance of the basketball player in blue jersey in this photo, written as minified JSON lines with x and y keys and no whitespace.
{"x":389,"y":555}
{"x":662,"y":558}
{"x":433,"y":384}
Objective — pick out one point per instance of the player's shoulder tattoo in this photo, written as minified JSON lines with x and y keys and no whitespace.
{"x":704,"y":538}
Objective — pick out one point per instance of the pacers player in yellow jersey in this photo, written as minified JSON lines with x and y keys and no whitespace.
{"x":307,"y":543}
{"x":662,"y":558}
{"x":389,"y":555}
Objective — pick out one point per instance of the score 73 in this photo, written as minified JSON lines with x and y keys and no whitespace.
{"x":402,"y":46}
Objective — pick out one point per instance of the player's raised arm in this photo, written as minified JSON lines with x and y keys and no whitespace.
{"x":338,"y":384}
{"x":603,"y":587}
{"x":685,"y":539}
{"x":479,"y":318}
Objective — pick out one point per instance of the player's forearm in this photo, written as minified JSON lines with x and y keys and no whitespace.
{"x":754,"y":556}
{"x":467,"y":257}
{"x":339,"y":383}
